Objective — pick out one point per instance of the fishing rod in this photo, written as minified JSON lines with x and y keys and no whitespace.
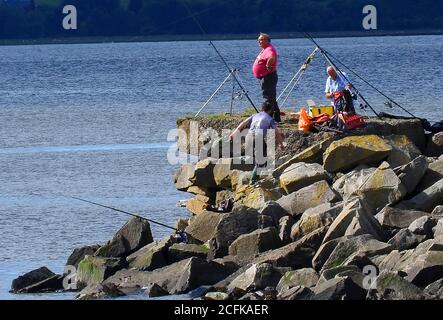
{"x":371,"y":85}
{"x":325,"y":54}
{"x":231,"y":71}
{"x":125,"y":212}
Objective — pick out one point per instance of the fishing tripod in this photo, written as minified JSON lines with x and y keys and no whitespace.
{"x":234,"y":74}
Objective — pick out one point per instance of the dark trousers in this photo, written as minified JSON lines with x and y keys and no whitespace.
{"x":269,"y":90}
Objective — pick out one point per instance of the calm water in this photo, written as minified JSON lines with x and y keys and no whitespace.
{"x":91,"y":121}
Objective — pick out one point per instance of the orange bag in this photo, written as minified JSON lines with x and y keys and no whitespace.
{"x":304,"y":124}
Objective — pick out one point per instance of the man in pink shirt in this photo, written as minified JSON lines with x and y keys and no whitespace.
{"x":265,"y":69}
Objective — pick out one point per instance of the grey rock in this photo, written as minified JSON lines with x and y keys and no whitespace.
{"x":423,"y":226}
{"x":403,"y":150}
{"x":356,"y":218}
{"x":135,"y":234}
{"x":300,"y":175}
{"x":298,"y":202}
{"x":216,"y":296}
{"x":99,"y":291}
{"x":256,"y":277}
{"x":435,"y":288}
{"x":30,"y":278}
{"x":248,"y":246}
{"x":181,"y":251}
{"x":203,"y":226}
{"x":405,"y":239}
{"x":151,"y":256}
{"x":94,"y":270}
{"x":391,"y":286}
{"x":179,"y":277}
{"x":284,"y":229}
{"x":306,"y":277}
{"x":340,"y":288}
{"x":154,"y":290}
{"x":52,"y":284}
{"x":240,"y":221}
{"x":351,"y":246}
{"x":426,"y":200}
{"x":182,"y":177}
{"x":438,"y":229}
{"x":296,"y":293}
{"x":438,"y":210}
{"x":79,"y":254}
{"x":397,"y":218}
{"x":349,"y":182}
{"x":410,"y":174}
{"x":314,"y":218}
{"x":432,"y":175}
{"x":273,"y":210}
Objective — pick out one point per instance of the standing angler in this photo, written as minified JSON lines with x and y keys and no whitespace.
{"x":265,"y":69}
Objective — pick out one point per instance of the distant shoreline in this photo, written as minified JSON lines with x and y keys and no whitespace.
{"x":166,"y":38}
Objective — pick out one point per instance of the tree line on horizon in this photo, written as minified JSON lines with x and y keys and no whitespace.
{"x":33,"y":19}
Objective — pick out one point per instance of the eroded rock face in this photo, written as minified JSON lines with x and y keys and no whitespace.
{"x":351,"y":151}
{"x":94,"y":270}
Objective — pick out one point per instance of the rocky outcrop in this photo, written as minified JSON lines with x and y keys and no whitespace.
{"x":38,"y":280}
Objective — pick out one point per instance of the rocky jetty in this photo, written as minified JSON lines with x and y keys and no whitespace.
{"x":351,"y":216}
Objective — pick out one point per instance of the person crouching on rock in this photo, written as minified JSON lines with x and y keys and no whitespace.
{"x":255,"y":143}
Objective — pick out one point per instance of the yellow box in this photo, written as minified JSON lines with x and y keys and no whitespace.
{"x":315,"y":111}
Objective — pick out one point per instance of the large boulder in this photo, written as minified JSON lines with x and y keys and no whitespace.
{"x":339,"y":288}
{"x":306,"y":277}
{"x":240,"y":221}
{"x":411,"y":173}
{"x":198,"y":204}
{"x":426,"y":200}
{"x":135,"y":234}
{"x":31,"y":278}
{"x":348,"y":183}
{"x":352,"y":246}
{"x":396,"y":218}
{"x":391,"y":286}
{"x":317,"y":217}
{"x":403,"y":150}
{"x":94,"y":270}
{"x":351,"y":151}
{"x":247,"y":246}
{"x":432,"y":175}
{"x":203,"y":226}
{"x":312,"y":154}
{"x":79,"y":254}
{"x":258,"y":276}
{"x":405,"y":240}
{"x":298,"y":202}
{"x":300,"y":175}
{"x":423,"y":226}
{"x":422,"y":265}
{"x":183,"y":175}
{"x":182,"y":251}
{"x":151,"y":256}
{"x":274,"y":210}
{"x":255,"y":197}
{"x":356,"y":218}
{"x":176,"y":278}
{"x":381,"y":188}
{"x":297,"y":254}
